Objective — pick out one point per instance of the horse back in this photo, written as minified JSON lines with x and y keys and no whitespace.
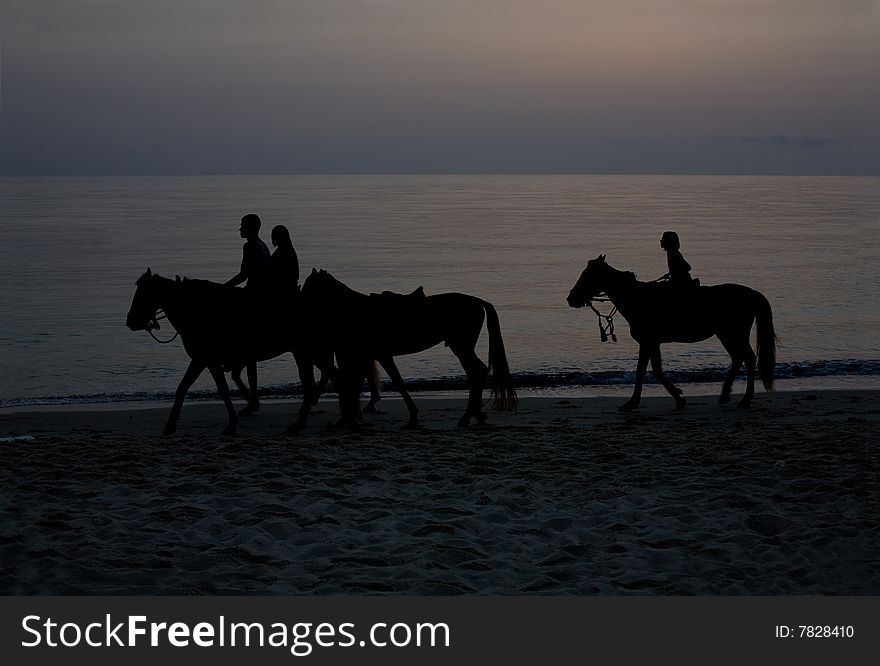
{"x":690,"y":314}
{"x":413,"y":324}
{"x":225,"y":324}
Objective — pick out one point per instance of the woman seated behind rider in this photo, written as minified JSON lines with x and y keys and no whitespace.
{"x":284,"y":267}
{"x":284,"y":274}
{"x":679,"y":274}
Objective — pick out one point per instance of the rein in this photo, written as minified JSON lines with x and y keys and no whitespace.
{"x":154,"y":324}
{"x":607,"y":329}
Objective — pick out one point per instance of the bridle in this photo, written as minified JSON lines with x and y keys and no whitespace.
{"x":606,"y":330}
{"x":153,"y":324}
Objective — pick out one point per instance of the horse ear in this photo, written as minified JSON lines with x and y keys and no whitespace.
{"x":177,"y":277}
{"x":314,"y":271}
{"x":149,"y":272}
{"x":602,"y":257}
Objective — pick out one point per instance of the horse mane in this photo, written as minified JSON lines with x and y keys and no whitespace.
{"x":201,"y":291}
{"x":327,"y":276}
{"x":206,"y":285}
{"x":627,"y":276}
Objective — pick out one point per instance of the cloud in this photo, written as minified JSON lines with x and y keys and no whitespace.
{"x":785,"y":140}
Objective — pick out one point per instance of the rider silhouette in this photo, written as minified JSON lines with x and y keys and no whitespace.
{"x":284,"y":268}
{"x":256,"y":266}
{"x":284,"y":277}
{"x":255,"y":258}
{"x":679,"y":274}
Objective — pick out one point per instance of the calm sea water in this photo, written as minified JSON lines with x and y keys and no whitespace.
{"x":71,"y":250}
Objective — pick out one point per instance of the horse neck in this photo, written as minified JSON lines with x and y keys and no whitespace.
{"x":171,"y":301}
{"x":337,"y":289}
{"x":619,"y":286}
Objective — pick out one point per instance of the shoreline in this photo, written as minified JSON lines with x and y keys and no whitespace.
{"x":621,"y":390}
{"x":130,"y":418}
{"x":568,"y":496}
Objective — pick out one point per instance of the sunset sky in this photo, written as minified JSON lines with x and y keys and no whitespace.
{"x":106,"y":87}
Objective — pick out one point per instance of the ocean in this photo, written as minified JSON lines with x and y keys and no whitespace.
{"x":71,"y":250}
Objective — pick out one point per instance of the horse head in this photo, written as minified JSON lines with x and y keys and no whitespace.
{"x":590,"y":284}
{"x":312,"y":285}
{"x":145,"y":304}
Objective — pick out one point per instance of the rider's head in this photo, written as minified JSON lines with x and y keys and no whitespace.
{"x":669,"y":241}
{"x":250,"y":225}
{"x":281,"y":236}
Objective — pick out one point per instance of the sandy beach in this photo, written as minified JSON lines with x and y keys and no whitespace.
{"x":567,"y":496}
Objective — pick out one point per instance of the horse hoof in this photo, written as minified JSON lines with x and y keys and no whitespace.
{"x":464,"y":421}
{"x":228,"y":431}
{"x":412,"y":425}
{"x":169,"y":430}
{"x":249,"y":410}
{"x":627,"y":406}
{"x":724,"y":399}
{"x":481,"y":417}
{"x":680,"y":403}
{"x":370,"y":409}
{"x":744,"y":404}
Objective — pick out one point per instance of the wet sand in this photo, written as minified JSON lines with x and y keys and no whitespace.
{"x":565,"y":497}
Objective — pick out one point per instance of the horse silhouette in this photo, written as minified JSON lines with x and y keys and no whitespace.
{"x":659,"y":313}
{"x":221,"y":330}
{"x":359,"y":328}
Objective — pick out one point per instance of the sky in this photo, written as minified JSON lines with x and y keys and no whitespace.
{"x":131,"y":87}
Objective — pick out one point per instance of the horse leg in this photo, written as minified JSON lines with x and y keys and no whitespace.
{"x":253,"y":398}
{"x":322,"y":384}
{"x":220,"y":379}
{"x":657,"y":367}
{"x":324,"y":363}
{"x":348,"y":386}
{"x":391,"y":368}
{"x":736,"y":361}
{"x":189,"y":377}
{"x":236,"y":378}
{"x":373,"y":383}
{"x":476,"y":372}
{"x":751,"y":361}
{"x":641,"y":368}
{"x":310,"y":393}
{"x":735,"y":364}
{"x":245,"y":391}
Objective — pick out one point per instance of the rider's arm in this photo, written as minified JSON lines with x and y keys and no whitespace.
{"x":242,"y":274}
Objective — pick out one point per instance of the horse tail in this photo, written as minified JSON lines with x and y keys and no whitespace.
{"x":767,"y":340}
{"x":503,"y":391}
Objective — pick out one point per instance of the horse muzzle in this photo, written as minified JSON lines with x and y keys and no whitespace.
{"x":575,"y":300}
{"x":134,"y":324}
